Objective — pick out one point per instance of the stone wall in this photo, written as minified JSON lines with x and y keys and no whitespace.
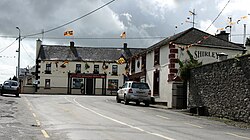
{"x":222,"y":88}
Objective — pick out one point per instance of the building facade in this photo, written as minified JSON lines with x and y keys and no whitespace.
{"x":80,"y":70}
{"x":162,"y":66}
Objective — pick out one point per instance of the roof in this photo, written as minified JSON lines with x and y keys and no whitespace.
{"x":193,"y":35}
{"x":56,"y":52}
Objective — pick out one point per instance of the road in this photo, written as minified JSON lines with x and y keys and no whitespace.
{"x":71,"y":117}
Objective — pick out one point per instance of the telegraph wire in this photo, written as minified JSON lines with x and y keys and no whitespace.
{"x":218,"y":15}
{"x":8,"y":46}
{"x":60,"y":26}
{"x":27,"y":53}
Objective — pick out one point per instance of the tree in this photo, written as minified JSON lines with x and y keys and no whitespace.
{"x":14,"y":78}
{"x":187,"y":65}
{"x":248,"y":41}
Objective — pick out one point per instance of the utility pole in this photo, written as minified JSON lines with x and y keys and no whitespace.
{"x":19,"y":42}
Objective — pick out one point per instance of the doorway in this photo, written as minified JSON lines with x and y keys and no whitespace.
{"x":156,"y":85}
{"x":89,"y":86}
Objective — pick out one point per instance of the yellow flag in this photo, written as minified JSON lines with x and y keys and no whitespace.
{"x":244,"y":17}
{"x":68,"y":33}
{"x":123,"y":35}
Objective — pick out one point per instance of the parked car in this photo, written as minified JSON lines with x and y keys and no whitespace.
{"x":134,"y":91}
{"x":10,"y":87}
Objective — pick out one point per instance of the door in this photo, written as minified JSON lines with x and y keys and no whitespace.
{"x":89,"y":86}
{"x":156,"y":83}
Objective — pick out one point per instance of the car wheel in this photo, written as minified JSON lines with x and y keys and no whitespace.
{"x":137,"y":103}
{"x":126,"y":101}
{"x":146,"y":103}
{"x":118,"y":100}
{"x":17,"y":95}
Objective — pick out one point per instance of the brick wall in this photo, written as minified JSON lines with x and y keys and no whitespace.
{"x":223,"y":88}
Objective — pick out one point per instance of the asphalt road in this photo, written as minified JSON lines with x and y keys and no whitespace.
{"x":71,"y":117}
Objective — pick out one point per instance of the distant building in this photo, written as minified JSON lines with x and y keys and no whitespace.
{"x":158,"y":65}
{"x":80,"y":70}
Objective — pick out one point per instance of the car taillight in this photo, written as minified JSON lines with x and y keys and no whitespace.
{"x":149,"y":92}
{"x":130,"y":91}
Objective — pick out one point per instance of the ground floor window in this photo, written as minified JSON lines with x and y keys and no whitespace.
{"x":77,"y":82}
{"x":113,"y":84}
{"x":47,"y":83}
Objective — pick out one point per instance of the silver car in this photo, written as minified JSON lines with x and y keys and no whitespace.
{"x":10,"y":87}
{"x":134,"y":91}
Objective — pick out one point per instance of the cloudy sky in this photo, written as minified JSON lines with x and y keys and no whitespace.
{"x":145,"y":22}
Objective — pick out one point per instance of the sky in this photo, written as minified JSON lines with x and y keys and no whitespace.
{"x":145,"y":22}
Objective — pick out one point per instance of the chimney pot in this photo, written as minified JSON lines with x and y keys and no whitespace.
{"x":72,"y":44}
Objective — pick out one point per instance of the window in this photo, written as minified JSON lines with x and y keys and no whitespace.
{"x":113,"y":84}
{"x":143,"y":65}
{"x":47,"y":83}
{"x":29,"y":81}
{"x":157,"y":57}
{"x":48,"y":69}
{"x":133,"y":66}
{"x":77,"y":83}
{"x":96,"y":69}
{"x":78,"y":68}
{"x":114,"y":70}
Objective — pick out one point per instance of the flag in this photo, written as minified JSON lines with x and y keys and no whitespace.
{"x":68,"y":33}
{"x":123,"y":35}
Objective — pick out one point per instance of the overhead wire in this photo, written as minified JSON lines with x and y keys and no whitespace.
{"x":60,"y":26}
{"x":218,"y":15}
{"x":8,"y":46}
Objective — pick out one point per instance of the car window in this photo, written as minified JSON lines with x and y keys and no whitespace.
{"x":6,"y":83}
{"x":129,"y":85}
{"x":124,"y":86}
{"x":13,"y":83}
{"x":140,"y":85}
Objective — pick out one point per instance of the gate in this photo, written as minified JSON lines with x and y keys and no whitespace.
{"x":179,"y":93}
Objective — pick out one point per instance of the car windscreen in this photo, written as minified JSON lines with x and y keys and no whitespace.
{"x":14,"y":84}
{"x":140,"y":85}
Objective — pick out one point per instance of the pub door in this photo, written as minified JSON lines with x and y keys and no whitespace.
{"x":89,"y":86}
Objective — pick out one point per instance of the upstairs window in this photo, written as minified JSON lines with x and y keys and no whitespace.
{"x":157,"y":57}
{"x":114,"y":70}
{"x":96,"y":69}
{"x":48,"y":69}
{"x":78,"y":68}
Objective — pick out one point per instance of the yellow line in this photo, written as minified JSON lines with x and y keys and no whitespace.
{"x":238,"y":136}
{"x":45,"y":134}
{"x":34,"y":115}
{"x":194,"y":125}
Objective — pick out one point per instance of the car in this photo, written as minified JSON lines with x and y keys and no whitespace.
{"x":134,"y":91}
{"x":10,"y":87}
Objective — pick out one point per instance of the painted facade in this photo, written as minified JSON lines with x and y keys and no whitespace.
{"x":162,"y":65}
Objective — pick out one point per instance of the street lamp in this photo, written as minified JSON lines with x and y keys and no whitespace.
{"x":19,"y":41}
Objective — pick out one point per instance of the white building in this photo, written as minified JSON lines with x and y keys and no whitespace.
{"x":160,"y":61}
{"x":80,"y":70}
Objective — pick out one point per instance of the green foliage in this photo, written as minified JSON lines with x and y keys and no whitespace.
{"x":187,"y":65}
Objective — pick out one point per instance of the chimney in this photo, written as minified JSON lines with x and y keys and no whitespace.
{"x":125,"y":46}
{"x":38,"y":47}
{"x":223,"y":35}
{"x":222,"y":56}
{"x":72,"y":44}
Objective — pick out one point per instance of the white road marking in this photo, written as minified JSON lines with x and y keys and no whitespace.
{"x":232,"y":134}
{"x":194,"y":125}
{"x":120,"y":122}
{"x":163,"y":117}
{"x":45,"y":134}
{"x":34,"y":115}
{"x":38,"y":123}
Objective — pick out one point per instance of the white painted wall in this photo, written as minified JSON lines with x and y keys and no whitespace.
{"x":59,"y":76}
